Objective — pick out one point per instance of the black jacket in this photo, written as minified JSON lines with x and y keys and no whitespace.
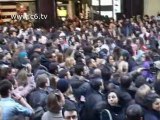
{"x":151,"y":115}
{"x":117,"y":112}
{"x":38,"y":98}
{"x":80,"y":86}
{"x":91,"y":100}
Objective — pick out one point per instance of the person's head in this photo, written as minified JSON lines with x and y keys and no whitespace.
{"x":5,"y":88}
{"x":134,"y":112}
{"x":79,"y":69}
{"x":141,"y":92}
{"x":51,"y":56}
{"x":53,"y":68}
{"x":106,"y":74}
{"x":97,"y":84}
{"x":110,"y":59}
{"x":55,"y":101}
{"x":42,"y":81}
{"x":113,"y":98}
{"x":13,"y":72}
{"x":95,"y":29}
{"x":70,"y":112}
{"x":152,"y":101}
{"x":97,"y":72}
{"x":54,"y":57}
{"x":144,"y":30}
{"x":145,"y":57}
{"x":139,"y":81}
{"x":64,"y":73}
{"x":53,"y":82}
{"x":23,"y":54}
{"x":91,"y":63}
{"x":22,"y":77}
{"x":70,"y":62}
{"x":4,"y":72}
{"x":125,"y":81}
{"x":60,"y":57}
{"x":99,"y":43}
{"x":63,"y":85}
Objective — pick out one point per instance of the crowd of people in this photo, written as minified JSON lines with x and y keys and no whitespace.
{"x":83,"y":70}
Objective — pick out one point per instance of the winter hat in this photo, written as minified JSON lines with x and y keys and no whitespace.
{"x":63,"y":85}
{"x":23,"y":54}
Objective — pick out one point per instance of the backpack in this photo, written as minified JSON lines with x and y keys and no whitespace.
{"x":105,"y":115}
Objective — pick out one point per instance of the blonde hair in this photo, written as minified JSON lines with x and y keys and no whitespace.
{"x":70,"y":62}
{"x":22,"y":77}
{"x":123,"y":67}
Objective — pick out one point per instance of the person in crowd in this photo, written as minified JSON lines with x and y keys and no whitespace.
{"x":134,"y":112}
{"x":64,"y":86}
{"x":70,"y":112}
{"x":10,"y":107}
{"x":25,"y":81}
{"x":141,"y":93}
{"x":38,"y":98}
{"x":79,"y":83}
{"x":152,"y":105}
{"x":54,"y":104}
{"x":93,"y":98}
{"x":84,"y":59}
{"x":115,"y":106}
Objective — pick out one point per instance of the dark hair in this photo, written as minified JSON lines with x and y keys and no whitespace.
{"x":70,"y":106}
{"x":156,"y":87}
{"x":4,"y":71}
{"x":48,"y":54}
{"x":150,"y":99}
{"x":134,"y":112}
{"x":53,"y":68}
{"x":88,"y":61}
{"x":96,"y":83}
{"x":62,"y":73}
{"x":139,"y":81}
{"x":107,"y":59}
{"x":79,"y":69}
{"x":125,"y":81}
{"x":5,"y":85}
{"x":106,"y":73}
{"x":119,"y":95}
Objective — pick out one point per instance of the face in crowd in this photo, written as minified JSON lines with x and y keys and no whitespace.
{"x":156,"y":104}
{"x":70,"y":115}
{"x":112,"y":99}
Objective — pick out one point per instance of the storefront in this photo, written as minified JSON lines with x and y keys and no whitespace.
{"x":8,"y":8}
{"x":62,"y":9}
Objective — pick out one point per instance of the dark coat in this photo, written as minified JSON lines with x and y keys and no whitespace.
{"x":38,"y":98}
{"x":94,"y":98}
{"x":151,"y":115}
{"x":117,"y":112}
{"x":80,"y":86}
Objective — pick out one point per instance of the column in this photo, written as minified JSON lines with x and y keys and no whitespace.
{"x":71,"y":9}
